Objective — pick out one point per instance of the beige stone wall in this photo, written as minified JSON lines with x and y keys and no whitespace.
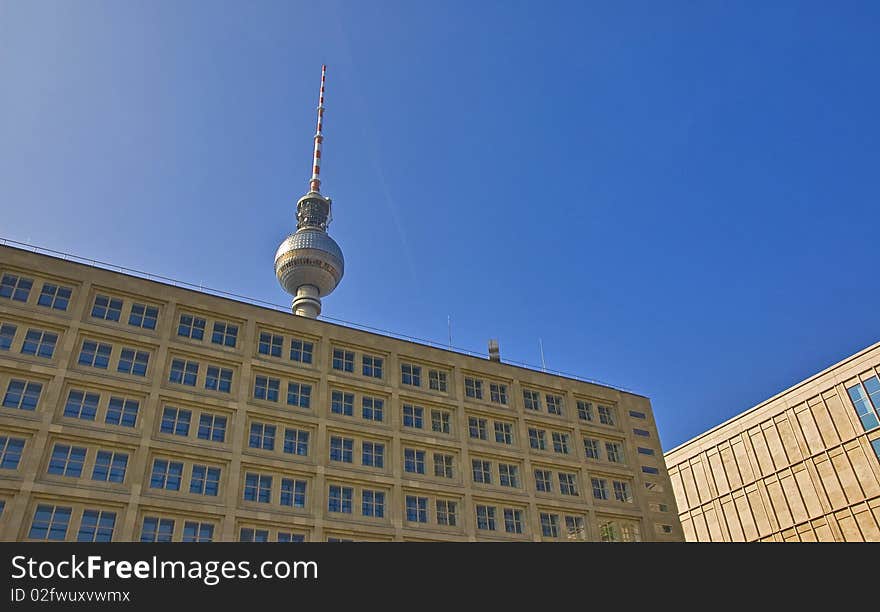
{"x":648,"y":514}
{"x":799,"y":467}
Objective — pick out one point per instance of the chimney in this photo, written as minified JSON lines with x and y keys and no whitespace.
{"x":494,"y":351}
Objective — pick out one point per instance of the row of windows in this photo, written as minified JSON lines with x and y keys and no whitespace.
{"x":95,"y":354}
{"x":36,"y":342}
{"x":18,"y":288}
{"x":186,"y":372}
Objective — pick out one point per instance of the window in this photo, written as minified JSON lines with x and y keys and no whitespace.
{"x":299,"y":394}
{"x":15,"y":287}
{"x":585,"y":410}
{"x":81,"y":405}
{"x":531,"y":400}
{"x":212,"y":427}
{"x":568,"y":484}
{"x":107,"y":308}
{"x":7,"y":334}
{"x":642,"y":432}
{"x":341,"y":449}
{"x":413,"y":416}
{"x":143,"y":316}
{"x":175,"y":421}
{"x":39,"y":343}
{"x":477,"y":428}
{"x":646,"y":451}
{"x":437,"y":380}
{"x":225,"y":334}
{"x":133,"y":362}
{"x":373,"y":503}
{"x":293,"y":493}
{"x":67,"y":460}
{"x":654,"y":487}
{"x":622,"y":491}
{"x":875,"y":444}
{"x":591,"y":448}
{"x":574,"y":528}
{"x":372,"y":366}
{"x":110,"y":466}
{"x":95,"y":354}
{"x":416,"y":509}
{"x":410,"y":374}
{"x":606,"y":415}
{"x":301,"y":351}
{"x":549,"y":525}
{"x":440,"y":421}
{"x":184,"y":372}
{"x":498,"y":393}
{"x":413,"y":461}
{"x":10,"y":452}
{"x":473,"y":388}
{"x":503,"y":432}
{"x":50,"y":522}
{"x":537,"y":439}
{"x":296,"y":442}
{"x":122,"y":412}
{"x":96,"y":526}
{"x":166,"y":475}
{"x":191,"y":326}
{"x":446,"y":512}
{"x":637,"y":415}
{"x":442,"y":465}
{"x":342,"y":403}
{"x":619,"y":531}
{"x":156,"y":529}
{"x":486,"y":517}
{"x":600,"y":488}
{"x":262,"y":436}
{"x":372,"y":408}
{"x":614,"y":451}
{"x":286,"y":536}
{"x":266,"y":388}
{"x":543,"y":481}
{"x":205,"y":480}
{"x":650,"y":470}
{"x":513,"y":522}
{"x":253,"y":535}
{"x":560,"y":442}
{"x":53,"y":296}
{"x":373,"y":454}
{"x":339,"y":499}
{"x":508,"y":475}
{"x":554,"y":404}
{"x":257,"y":488}
{"x":270,"y":344}
{"x":198,"y":532}
{"x":343,"y":360}
{"x":22,"y":394}
{"x":482,"y":471}
{"x":220,"y":379}
{"x":866,"y":404}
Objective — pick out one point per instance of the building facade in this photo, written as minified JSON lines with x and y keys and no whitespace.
{"x":137,"y":410}
{"x":802,"y":466}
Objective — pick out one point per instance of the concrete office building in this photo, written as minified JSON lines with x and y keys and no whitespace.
{"x":802,"y":466}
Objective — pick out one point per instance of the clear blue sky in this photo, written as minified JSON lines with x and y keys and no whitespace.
{"x":678,"y":198}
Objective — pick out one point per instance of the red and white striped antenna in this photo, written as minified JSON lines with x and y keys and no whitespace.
{"x":315,"y":183}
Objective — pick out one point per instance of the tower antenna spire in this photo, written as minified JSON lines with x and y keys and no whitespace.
{"x":315,"y":182}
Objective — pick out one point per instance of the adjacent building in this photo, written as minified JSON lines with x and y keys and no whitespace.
{"x":802,"y":466}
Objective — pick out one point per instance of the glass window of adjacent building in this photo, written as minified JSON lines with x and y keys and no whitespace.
{"x":865,"y":396}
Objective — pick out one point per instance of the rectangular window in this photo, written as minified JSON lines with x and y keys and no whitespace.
{"x":212,"y":427}
{"x":373,"y":454}
{"x":184,"y":372}
{"x":342,"y":403}
{"x":568,"y":484}
{"x":606,"y":415}
{"x":549,"y":525}
{"x":10,"y":452}
{"x":220,"y":379}
{"x":7,"y":334}
{"x":67,"y":460}
{"x":110,"y":466}
{"x":600,"y":488}
{"x":543,"y":481}
{"x":205,"y":480}
{"x":446,"y":512}
{"x":440,"y":420}
{"x":286,"y":536}
{"x":225,"y":334}
{"x":498,"y":393}
{"x":503,"y":432}
{"x":39,"y":343}
{"x":411,"y":374}
{"x":143,"y":316}
{"x":554,"y":404}
{"x":257,"y":488}
{"x":343,"y":360}
{"x":133,"y":362}
{"x":96,"y":526}
{"x":372,"y":408}
{"x":477,"y":428}
{"x":642,"y":432}
{"x":166,"y":475}
{"x":50,"y":522}
{"x":508,"y":475}
{"x":194,"y":531}
{"x":591,"y":448}
{"x":175,"y":421}
{"x":95,"y":354}
{"x":262,"y":436}
{"x":486,"y":517}
{"x":270,"y":344}
{"x":875,"y":444}
{"x":646,"y":451}
{"x":55,"y":297}
{"x":537,"y":439}
{"x":296,"y":442}
{"x":416,"y":509}
{"x":637,"y":415}
{"x":339,"y":499}
{"x":299,"y":394}
{"x":253,"y":535}
{"x":473,"y":388}
{"x":16,"y":288}
{"x":341,"y":449}
{"x":531,"y":399}
{"x":574,"y":528}
{"x":650,"y":470}
{"x":622,"y":491}
{"x":585,"y":410}
{"x":560,"y":443}
{"x":293,"y":493}
{"x":437,"y":380}
{"x":513,"y":522}
{"x":372,"y":366}
{"x":22,"y":394}
{"x":81,"y":405}
{"x":442,"y":465}
{"x":866,"y":408}
{"x":156,"y":529}
{"x":107,"y":308}
{"x":191,"y":326}
{"x":413,"y":461}
{"x":614,"y":451}
{"x":482,"y":471}
{"x":266,"y":388}
{"x":122,"y":411}
{"x":301,"y":351}
{"x":413,"y":416}
{"x":373,"y":503}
